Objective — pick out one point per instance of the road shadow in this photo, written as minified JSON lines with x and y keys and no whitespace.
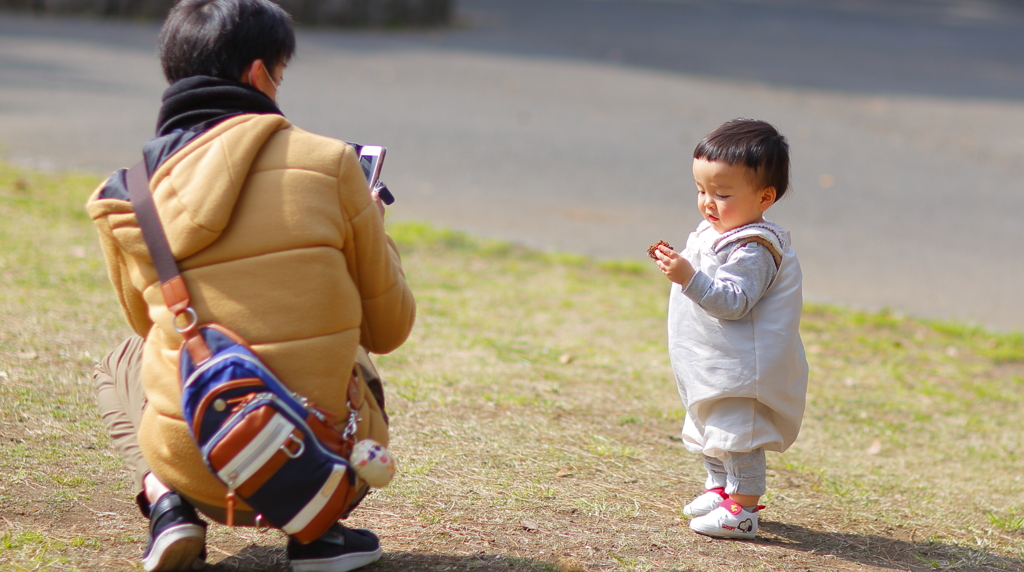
{"x":952,"y":48}
{"x":256,"y":558}
{"x":124,"y":34}
{"x":956,"y":48}
{"x":885,"y":552}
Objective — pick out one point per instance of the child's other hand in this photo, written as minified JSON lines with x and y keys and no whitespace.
{"x":674,"y":266}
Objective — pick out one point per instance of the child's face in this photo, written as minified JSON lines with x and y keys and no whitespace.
{"x":726,"y":195}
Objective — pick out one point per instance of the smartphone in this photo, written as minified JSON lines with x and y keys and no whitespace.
{"x":371,"y":157}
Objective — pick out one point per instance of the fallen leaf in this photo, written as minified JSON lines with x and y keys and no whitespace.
{"x":875,"y":448}
{"x":529,"y":525}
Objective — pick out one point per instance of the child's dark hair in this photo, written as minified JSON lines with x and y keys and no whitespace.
{"x":220,"y":38}
{"x":754,"y":144}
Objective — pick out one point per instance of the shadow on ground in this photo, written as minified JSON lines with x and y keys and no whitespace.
{"x":885,"y":552}
{"x":255,"y":558}
{"x":953,"y":48}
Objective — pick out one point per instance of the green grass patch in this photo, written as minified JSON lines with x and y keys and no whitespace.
{"x":536,"y":422}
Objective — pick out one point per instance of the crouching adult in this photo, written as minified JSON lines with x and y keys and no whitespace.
{"x":277,"y":236}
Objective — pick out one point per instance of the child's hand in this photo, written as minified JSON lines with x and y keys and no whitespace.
{"x":674,"y":266}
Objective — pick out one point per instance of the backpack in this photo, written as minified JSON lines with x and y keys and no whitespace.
{"x":266,"y":444}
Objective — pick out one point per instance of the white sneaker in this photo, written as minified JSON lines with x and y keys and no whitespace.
{"x":705,"y":503}
{"x":729,"y":520}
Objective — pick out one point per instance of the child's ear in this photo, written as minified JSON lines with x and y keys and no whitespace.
{"x":767,"y":198}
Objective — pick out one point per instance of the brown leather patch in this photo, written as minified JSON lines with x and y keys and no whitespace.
{"x":255,"y":385}
{"x":175,"y":294}
{"x":240,"y":436}
{"x":197,"y":349}
{"x":257,"y":480}
{"x":328,"y":436}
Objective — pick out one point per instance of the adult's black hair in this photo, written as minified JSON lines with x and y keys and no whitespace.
{"x":756,"y":145}
{"x":220,"y":38}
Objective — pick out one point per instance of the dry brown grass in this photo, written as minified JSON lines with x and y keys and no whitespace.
{"x":535,"y":421}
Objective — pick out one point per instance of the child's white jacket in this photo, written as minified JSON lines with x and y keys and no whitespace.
{"x":743,"y":381}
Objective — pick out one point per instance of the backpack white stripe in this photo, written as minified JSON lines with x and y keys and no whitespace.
{"x":316,"y":504}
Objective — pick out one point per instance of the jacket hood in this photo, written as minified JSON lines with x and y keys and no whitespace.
{"x":195,"y":190}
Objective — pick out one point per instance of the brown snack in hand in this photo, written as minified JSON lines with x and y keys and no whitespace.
{"x":651,"y":251}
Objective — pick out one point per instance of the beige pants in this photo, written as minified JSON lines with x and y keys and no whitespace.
{"x":121,"y":402}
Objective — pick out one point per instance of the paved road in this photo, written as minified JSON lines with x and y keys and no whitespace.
{"x":567,"y":124}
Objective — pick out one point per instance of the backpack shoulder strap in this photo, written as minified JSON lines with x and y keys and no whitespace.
{"x":172,"y":285}
{"x":149,"y":222}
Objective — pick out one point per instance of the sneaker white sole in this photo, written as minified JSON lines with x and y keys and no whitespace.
{"x":716,"y":530}
{"x":176,"y":549}
{"x":342,"y":563}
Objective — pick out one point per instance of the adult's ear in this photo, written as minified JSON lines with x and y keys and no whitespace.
{"x":249,"y":72}
{"x":257,"y":75}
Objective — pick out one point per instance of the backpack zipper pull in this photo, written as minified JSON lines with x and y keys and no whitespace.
{"x":229,"y":502}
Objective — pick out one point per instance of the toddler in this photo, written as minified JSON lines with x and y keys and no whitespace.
{"x":733,"y":324}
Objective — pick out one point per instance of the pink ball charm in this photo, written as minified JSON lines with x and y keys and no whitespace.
{"x":373,"y":463}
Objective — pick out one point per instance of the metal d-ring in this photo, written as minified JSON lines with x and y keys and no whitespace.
{"x":287,"y":451}
{"x":193,"y":321}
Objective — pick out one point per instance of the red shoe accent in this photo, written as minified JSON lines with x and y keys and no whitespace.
{"x":732,"y":506}
{"x":720,"y":491}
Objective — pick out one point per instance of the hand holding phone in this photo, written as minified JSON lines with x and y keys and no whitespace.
{"x":371,"y":157}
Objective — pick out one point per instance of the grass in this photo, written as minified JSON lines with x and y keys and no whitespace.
{"x":536,"y":423}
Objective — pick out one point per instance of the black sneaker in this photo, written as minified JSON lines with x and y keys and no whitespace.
{"x":340,"y":549}
{"x":177,"y":536}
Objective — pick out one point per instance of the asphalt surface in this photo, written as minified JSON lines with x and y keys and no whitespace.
{"x":568,"y":125}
